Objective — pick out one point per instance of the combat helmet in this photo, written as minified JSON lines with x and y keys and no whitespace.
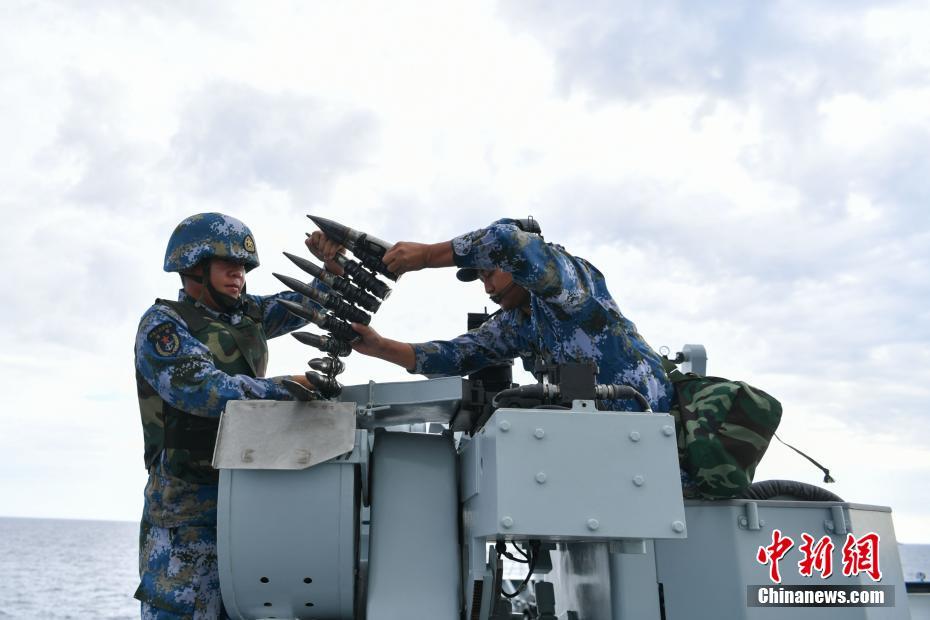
{"x":199,"y":239}
{"x":210,"y":235}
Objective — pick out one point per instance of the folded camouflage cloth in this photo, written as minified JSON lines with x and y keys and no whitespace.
{"x":724,"y":427}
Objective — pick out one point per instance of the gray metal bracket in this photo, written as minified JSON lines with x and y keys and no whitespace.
{"x":837,"y":524}
{"x":750,"y":520}
{"x":381,"y":405}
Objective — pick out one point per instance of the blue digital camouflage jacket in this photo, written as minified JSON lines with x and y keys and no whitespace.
{"x":169,"y":501}
{"x":208,"y":395}
{"x":572,"y":318}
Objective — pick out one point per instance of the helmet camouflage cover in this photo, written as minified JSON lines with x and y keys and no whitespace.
{"x":209,"y":235}
{"x":528,"y":225}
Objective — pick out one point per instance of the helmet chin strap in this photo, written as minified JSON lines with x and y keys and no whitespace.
{"x":227,"y":303}
{"x":192,"y":276}
{"x":496,"y":297}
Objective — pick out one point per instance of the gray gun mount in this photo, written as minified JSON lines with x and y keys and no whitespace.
{"x":372,"y":508}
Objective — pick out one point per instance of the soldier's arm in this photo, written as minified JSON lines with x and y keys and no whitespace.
{"x":543,"y":268}
{"x":180,"y":368}
{"x":502,"y":338}
{"x":276,"y":320}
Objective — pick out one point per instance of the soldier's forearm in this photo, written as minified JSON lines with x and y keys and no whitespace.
{"x":396,"y":352}
{"x":439,"y":254}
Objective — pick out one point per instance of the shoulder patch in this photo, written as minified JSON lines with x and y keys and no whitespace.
{"x":165,"y":338}
{"x":249,"y":243}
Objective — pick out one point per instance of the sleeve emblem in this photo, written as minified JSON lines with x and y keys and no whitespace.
{"x":165,"y":338}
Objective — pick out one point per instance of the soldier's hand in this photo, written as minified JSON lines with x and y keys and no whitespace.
{"x":325,"y":250}
{"x":374,"y":344}
{"x":407,"y":256}
{"x":300,"y":388}
{"x":369,"y":341}
{"x":302,"y":380}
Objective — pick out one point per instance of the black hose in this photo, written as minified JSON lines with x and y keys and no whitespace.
{"x":524,"y":391}
{"x":790,"y":490}
{"x":614,"y":392}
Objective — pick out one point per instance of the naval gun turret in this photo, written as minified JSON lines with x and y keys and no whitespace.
{"x":293,"y":513}
{"x":372,"y":507}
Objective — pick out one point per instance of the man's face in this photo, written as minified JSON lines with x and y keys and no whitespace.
{"x":500,"y":286}
{"x":227,"y":277}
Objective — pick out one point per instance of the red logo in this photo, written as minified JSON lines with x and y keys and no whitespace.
{"x":860,"y":555}
{"x":817,"y":557}
{"x":772,"y":554}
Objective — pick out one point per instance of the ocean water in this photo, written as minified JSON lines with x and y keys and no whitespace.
{"x":51,"y":569}
{"x":915,"y":560}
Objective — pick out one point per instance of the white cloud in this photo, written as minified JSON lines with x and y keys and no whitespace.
{"x":232,"y":137}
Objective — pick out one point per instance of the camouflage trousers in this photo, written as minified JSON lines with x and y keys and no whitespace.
{"x":153,"y":613}
{"x":178,"y":573}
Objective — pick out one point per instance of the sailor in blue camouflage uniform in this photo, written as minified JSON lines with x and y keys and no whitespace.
{"x":192,"y":356}
{"x":554,"y":305}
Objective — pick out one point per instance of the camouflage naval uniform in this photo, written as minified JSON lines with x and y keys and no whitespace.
{"x":191,"y":360}
{"x":572,"y":318}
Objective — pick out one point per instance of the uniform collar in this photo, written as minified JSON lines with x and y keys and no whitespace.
{"x":232,"y":318}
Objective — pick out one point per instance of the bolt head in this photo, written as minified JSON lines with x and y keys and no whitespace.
{"x":504,"y":426}
{"x":593,"y":524}
{"x":668,"y":430}
{"x":634,"y":436}
{"x":678,"y":526}
{"x":541,"y":477}
{"x":539,"y":433}
{"x":507,"y":522}
{"x":639,"y":480}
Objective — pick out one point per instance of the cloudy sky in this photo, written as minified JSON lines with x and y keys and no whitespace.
{"x":753,"y":176}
